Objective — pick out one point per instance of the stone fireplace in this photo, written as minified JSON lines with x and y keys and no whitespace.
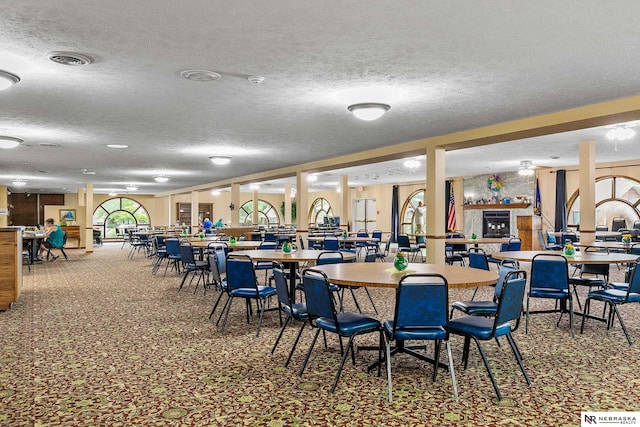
{"x":496,"y":223}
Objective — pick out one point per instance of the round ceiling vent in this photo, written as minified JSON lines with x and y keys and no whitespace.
{"x":200,"y":75}
{"x":69,"y":58}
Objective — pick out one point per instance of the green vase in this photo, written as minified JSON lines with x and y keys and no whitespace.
{"x":400,"y":263}
{"x":286,"y":247}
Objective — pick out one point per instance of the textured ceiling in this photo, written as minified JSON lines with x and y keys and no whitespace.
{"x":442,"y":66}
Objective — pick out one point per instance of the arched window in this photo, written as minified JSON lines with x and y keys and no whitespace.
{"x":616,"y":197}
{"x":267,"y":214}
{"x":320,"y":211}
{"x":408,"y":212}
{"x":117,"y":214}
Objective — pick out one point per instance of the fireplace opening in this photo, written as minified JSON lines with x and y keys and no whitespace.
{"x":496,"y":224}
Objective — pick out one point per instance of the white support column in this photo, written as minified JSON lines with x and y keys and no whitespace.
{"x":434,"y":200}
{"x":302,"y":201}
{"x":81,"y":200}
{"x":170,"y":220}
{"x":287,"y":205}
{"x":195,"y":205}
{"x":345,"y":199}
{"x":88,"y":235}
{"x":587,"y":182}
{"x":235,"y":202}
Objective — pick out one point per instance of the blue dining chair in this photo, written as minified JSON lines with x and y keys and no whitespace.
{"x":550,"y":280}
{"x":242,"y":283}
{"x":479,"y":328}
{"x":484,"y":308}
{"x":613,"y":297}
{"x":324,"y":317}
{"x":420,"y":315}
{"x":293,"y":311}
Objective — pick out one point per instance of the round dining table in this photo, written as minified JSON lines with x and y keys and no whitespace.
{"x":238,"y":246}
{"x":580,"y":257}
{"x":291,"y":260}
{"x":384,"y":275}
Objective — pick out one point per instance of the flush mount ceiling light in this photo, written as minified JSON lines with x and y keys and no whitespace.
{"x":7,"y":79}
{"x":161,"y":178}
{"x":411,"y":164}
{"x":621,"y":133}
{"x":113,"y":193}
{"x":19,"y":182}
{"x":9,"y":142}
{"x":220,"y":160}
{"x":368,"y":111}
{"x":69,"y":58}
{"x":131,"y":188}
{"x":200,"y":75}
{"x":117,"y":146}
{"x":526,"y":168}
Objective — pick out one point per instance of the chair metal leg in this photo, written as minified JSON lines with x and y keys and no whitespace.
{"x":516,"y":353}
{"x":344,"y":358}
{"x":216,"y":304}
{"x":436,"y":358}
{"x":226,"y":316}
{"x":526,"y":318}
{"x":452,"y":371}
{"x":371,"y":299}
{"x":306,"y":359}
{"x":295,"y":343}
{"x":286,"y":322}
{"x":486,"y":364}
{"x":387,"y":348}
{"x":614,"y":307}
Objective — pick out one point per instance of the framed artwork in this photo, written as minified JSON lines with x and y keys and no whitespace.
{"x":67,"y":215}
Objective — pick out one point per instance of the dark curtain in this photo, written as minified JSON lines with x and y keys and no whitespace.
{"x":395,"y":214}
{"x":561,"y":200}
{"x":447,"y":193}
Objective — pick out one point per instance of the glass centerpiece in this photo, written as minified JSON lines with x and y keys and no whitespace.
{"x":400,"y":262}
{"x":569,"y":249}
{"x":286,"y":247}
{"x":232,"y":239}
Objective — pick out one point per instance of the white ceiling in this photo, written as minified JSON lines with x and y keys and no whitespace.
{"x":442,"y":66}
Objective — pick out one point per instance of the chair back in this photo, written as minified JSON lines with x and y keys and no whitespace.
{"x":634,"y":280}
{"x":186,"y":254}
{"x":422,"y":301}
{"x":280,"y":277}
{"x":617,"y":223}
{"x":403,"y":242}
{"x":268,"y":244}
{"x":240,"y":272}
{"x":510,"y":301}
{"x":318,"y":295}
{"x":602,"y":228}
{"x":502,"y":275}
{"x":551,"y":238}
{"x":541,"y":242}
{"x":377,"y":234}
{"x":172,"y":246}
{"x":332,"y":257}
{"x":549,"y":271}
{"x":300,"y":242}
{"x":478,"y":259}
{"x":458,"y":247}
{"x":422,"y":241}
{"x":370,"y":257}
{"x":387,"y":246}
{"x":597,"y":269}
{"x":331,"y":243}
{"x":572,"y":237}
{"x":514,"y":244}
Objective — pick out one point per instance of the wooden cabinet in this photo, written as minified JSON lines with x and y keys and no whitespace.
{"x":528,"y":227}
{"x":10,"y":265}
{"x":73,"y":235}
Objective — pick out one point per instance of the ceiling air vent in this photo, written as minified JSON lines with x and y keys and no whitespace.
{"x":69,"y":58}
{"x":200,"y":75}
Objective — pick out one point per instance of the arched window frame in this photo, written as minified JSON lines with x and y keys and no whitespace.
{"x":606,"y":200}
{"x":136,"y":212}
{"x":265,"y":211}
{"x":320,"y":208}
{"x":408,"y":224}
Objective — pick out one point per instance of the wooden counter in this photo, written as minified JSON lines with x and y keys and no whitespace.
{"x":73,"y":234}
{"x":10,"y":265}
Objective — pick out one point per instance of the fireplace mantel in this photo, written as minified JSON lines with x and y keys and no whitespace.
{"x":498,"y":206}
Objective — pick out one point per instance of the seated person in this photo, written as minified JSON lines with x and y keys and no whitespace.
{"x":53,"y":238}
{"x":219,"y":223}
{"x":207,"y":224}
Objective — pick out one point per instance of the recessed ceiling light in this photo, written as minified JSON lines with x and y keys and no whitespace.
{"x":117,"y":146}
{"x":131,"y":188}
{"x":200,"y":75}
{"x":161,"y":178}
{"x":19,"y":182}
{"x":256,"y":80}
{"x":9,"y":142}
{"x":87,"y":172}
{"x":220,"y":160}
{"x":69,"y":58}
{"x":7,"y":79}
{"x":113,"y":193}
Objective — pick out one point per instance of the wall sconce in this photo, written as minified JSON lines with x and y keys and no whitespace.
{"x":232,"y":206}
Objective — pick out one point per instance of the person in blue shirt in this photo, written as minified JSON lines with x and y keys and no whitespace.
{"x":53,"y":238}
{"x":219,"y":223}
{"x":207,"y":224}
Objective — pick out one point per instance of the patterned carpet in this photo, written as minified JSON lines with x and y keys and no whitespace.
{"x":99,"y":341}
